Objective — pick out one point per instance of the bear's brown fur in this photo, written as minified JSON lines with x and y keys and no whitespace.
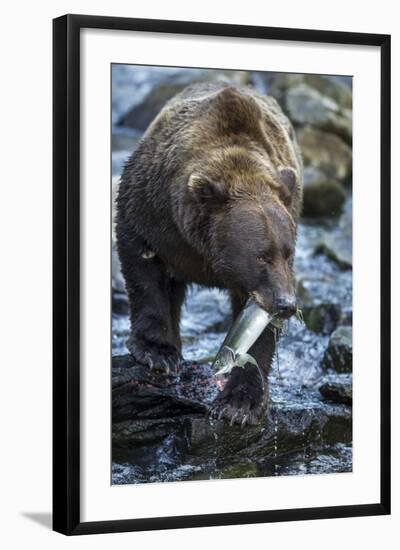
{"x":211,"y":196}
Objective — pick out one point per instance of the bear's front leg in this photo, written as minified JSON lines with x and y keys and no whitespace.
{"x":155,"y":301}
{"x":244,"y":398}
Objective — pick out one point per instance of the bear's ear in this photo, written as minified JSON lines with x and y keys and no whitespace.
{"x":207,"y":191}
{"x":288,"y":180}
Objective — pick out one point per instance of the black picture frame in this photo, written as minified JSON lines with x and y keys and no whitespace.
{"x":66,"y":273}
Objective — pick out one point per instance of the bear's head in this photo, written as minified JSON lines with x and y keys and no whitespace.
{"x":251,"y":238}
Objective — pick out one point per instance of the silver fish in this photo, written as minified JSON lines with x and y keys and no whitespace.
{"x":227,"y":359}
{"x":245,"y":330}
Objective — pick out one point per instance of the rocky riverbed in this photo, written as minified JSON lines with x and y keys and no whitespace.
{"x":160,"y":429}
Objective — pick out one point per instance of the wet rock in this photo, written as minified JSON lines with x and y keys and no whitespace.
{"x":123,"y":145}
{"x":337,"y":392}
{"x":151,"y":409}
{"x":327,"y":153}
{"x":287,"y":427}
{"x":114,"y":194}
{"x":322,"y":318}
{"x":140,"y":116}
{"x":346,"y":316}
{"x":241,"y":470}
{"x":302,"y":294}
{"x":144,"y":393}
{"x":339,"y":353}
{"x":118,"y":282}
{"x":120,"y":305}
{"x":337,"y":244}
{"x":205,"y":435}
{"x":124,"y":140}
{"x":306,"y":106}
{"x":143,"y":431}
{"x":279,"y":84}
{"x":322,"y":196}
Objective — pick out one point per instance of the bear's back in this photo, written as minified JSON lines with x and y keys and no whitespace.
{"x":216,"y":114}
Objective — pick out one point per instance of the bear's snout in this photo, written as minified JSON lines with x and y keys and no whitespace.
{"x":282,"y":305}
{"x":285,"y":306}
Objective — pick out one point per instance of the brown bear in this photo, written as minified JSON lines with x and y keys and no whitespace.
{"x":211,"y":196}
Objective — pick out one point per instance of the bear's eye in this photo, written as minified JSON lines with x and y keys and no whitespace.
{"x":264,"y":259}
{"x":287,"y":253}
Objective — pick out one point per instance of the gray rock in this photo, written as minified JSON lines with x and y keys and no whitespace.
{"x":114,"y":194}
{"x":149,"y":408}
{"x":123,"y":145}
{"x":124,"y":141}
{"x":322,"y":318}
{"x":306,"y":106}
{"x":303,"y":295}
{"x":140,"y":116}
{"x":332,"y":88}
{"x":120,"y":304}
{"x":326,"y":152}
{"x":278,"y":85}
{"x":147,"y":394}
{"x":338,"y":392}
{"x":339,"y":353}
{"x":312,"y":174}
{"x":322,"y":196}
{"x":337,"y":244}
{"x":118,"y":282}
{"x":241,"y":470}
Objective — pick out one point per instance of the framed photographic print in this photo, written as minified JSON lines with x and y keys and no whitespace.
{"x":221,"y":274}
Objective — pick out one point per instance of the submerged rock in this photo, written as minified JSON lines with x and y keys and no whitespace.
{"x":339,"y":354}
{"x":326,"y":152}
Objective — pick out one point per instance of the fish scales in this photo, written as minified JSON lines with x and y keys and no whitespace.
{"x":245,"y":331}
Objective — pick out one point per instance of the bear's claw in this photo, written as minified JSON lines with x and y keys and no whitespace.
{"x":249,"y":411}
{"x":167,"y":359}
{"x":233,"y":417}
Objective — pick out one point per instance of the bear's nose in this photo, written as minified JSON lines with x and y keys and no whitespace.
{"x":285,"y":306}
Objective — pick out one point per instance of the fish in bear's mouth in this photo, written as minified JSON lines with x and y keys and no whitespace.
{"x":244,"y":332}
